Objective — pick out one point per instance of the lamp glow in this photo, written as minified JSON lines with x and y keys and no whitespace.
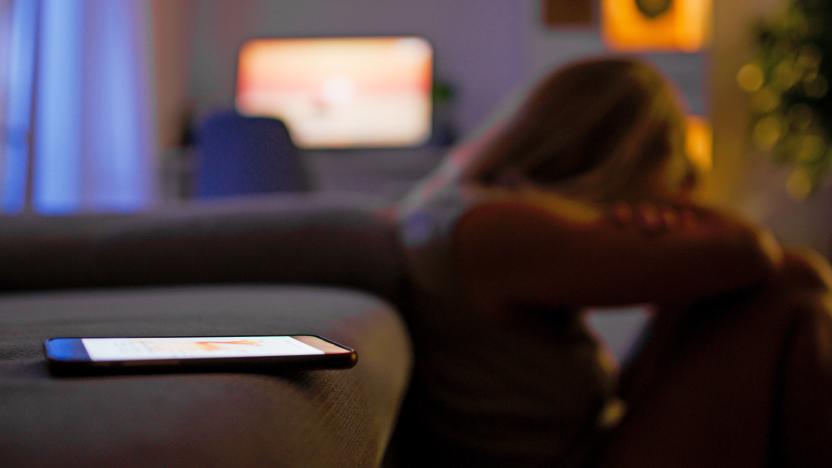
{"x":700,"y":142}
{"x":683,"y":26}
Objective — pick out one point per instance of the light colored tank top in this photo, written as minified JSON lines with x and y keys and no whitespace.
{"x":527,"y":390}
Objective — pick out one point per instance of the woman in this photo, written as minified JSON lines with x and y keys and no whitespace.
{"x":520,"y":231}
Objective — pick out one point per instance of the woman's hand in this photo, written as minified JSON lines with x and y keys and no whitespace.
{"x":652,"y":218}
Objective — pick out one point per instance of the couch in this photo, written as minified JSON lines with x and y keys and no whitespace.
{"x":328,"y":265}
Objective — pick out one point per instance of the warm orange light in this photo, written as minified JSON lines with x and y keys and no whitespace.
{"x":700,"y":143}
{"x":685,"y":25}
{"x":340,"y":92}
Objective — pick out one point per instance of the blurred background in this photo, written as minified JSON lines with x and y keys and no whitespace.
{"x":123,"y":105}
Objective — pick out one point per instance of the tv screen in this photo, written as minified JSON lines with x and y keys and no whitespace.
{"x":340,"y":92}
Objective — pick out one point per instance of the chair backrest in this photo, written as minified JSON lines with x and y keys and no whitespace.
{"x":239,"y":155}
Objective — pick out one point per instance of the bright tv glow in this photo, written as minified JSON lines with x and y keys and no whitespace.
{"x":340,"y":92}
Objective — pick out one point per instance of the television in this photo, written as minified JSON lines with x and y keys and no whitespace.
{"x":346,"y":92}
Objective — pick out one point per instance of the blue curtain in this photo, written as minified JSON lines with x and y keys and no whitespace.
{"x":89,"y":113}
{"x":19,"y":19}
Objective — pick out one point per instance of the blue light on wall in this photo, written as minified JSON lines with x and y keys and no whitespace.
{"x":93,"y":132}
{"x":59,"y":109}
{"x":20,"y":75}
{"x":119,"y":158}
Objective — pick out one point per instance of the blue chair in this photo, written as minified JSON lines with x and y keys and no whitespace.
{"x":238,"y":155}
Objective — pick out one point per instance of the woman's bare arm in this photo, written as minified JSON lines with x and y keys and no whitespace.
{"x":549,"y":251}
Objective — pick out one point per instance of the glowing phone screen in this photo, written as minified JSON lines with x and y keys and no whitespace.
{"x":120,"y":349}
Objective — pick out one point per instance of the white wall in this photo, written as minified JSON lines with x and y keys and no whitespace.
{"x":172,"y":29}
{"x":480,"y":45}
{"x":550,"y":48}
{"x":486,"y":48}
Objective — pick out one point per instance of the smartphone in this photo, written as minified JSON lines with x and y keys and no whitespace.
{"x":196,"y":353}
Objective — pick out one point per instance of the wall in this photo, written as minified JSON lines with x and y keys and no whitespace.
{"x":486,"y":48}
{"x":552,"y":47}
{"x":480,"y":46}
{"x":743,"y":177}
{"x":172,"y":26}
{"x":732,"y":48}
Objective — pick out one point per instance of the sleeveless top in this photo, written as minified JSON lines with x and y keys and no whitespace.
{"x":527,"y":388}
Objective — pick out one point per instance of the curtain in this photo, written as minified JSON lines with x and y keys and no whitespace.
{"x":5,"y":38}
{"x":17,"y":51}
{"x":84,"y":66}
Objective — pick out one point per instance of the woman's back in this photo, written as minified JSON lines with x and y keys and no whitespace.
{"x":510,"y":240}
{"x":522,"y":387}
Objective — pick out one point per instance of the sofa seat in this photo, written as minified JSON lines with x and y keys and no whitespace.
{"x":314,"y":418}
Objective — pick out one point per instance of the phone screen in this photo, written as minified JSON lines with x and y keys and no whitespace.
{"x":125,"y":349}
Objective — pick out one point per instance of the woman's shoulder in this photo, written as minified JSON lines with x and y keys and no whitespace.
{"x":433,"y":215}
{"x":427,"y":227}
{"x":442,"y":206}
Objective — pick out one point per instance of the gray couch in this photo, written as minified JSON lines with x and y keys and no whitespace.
{"x":278,"y":265}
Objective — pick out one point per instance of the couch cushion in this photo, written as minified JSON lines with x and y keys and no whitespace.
{"x":316,"y":418}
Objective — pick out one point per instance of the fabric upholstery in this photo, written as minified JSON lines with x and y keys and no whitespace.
{"x":311,"y":419}
{"x":243,"y":155}
{"x":334,"y":240}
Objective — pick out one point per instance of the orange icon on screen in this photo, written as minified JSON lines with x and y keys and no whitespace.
{"x":217,"y":345}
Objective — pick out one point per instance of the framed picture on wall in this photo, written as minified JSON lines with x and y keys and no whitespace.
{"x":666,"y":25}
{"x":557,"y":13}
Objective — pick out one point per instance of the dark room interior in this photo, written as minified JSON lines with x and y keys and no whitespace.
{"x":359,"y":233}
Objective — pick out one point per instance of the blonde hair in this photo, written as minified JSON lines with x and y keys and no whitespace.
{"x":598,"y":129}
